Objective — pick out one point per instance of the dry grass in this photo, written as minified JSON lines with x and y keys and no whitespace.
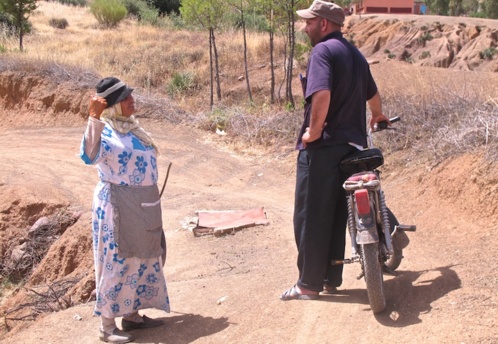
{"x":444,"y":112}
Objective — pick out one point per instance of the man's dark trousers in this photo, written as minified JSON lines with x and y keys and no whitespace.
{"x":320,"y":215}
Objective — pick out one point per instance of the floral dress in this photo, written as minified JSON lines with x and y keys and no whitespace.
{"x":124,"y":285}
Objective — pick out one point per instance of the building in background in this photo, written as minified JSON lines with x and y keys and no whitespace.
{"x":388,"y":6}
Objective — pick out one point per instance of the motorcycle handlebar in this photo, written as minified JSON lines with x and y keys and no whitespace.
{"x":385,"y":125}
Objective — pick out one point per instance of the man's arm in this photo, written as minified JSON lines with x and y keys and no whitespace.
{"x":375,"y":105}
{"x":320,"y":102}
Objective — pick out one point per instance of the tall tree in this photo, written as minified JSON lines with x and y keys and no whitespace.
{"x":19,"y":10}
{"x":208,"y":14}
{"x":267,"y":7}
{"x":491,"y":8}
{"x":239,"y":6}
{"x":440,"y":7}
{"x":290,"y":9}
{"x":166,"y":6}
{"x":455,"y":7}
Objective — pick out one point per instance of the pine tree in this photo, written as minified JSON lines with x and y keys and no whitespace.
{"x":19,"y":11}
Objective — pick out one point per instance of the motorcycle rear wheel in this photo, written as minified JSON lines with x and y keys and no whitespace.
{"x":372,"y":270}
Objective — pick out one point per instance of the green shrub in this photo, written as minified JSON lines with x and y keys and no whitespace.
{"x":478,"y":15}
{"x":391,"y":56}
{"x":426,"y":36}
{"x":172,"y":21}
{"x":108,"y":12}
{"x":58,"y":23}
{"x":144,"y":13}
{"x":425,"y":55}
{"x":219,"y":119}
{"x":180,"y":82}
{"x":6,"y":24}
{"x":487,"y":54}
{"x":253,"y":21}
{"x":387,"y":51}
{"x":79,"y":3}
{"x":8,"y":28}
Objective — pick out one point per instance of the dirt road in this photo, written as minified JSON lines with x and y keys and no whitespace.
{"x":445,"y":291}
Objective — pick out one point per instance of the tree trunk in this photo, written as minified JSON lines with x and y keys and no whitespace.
{"x":272,"y":67}
{"x":290,"y":98}
{"x":211,"y":67}
{"x":245,"y":53}
{"x":21,"y":28}
{"x":218,"y":87}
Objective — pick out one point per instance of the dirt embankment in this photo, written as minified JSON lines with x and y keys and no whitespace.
{"x":447,"y":42}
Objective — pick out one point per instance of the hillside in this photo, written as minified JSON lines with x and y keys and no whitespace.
{"x":457,"y":43}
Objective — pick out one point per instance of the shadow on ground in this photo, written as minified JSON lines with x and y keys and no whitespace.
{"x":409,"y":295}
{"x":181,"y":329}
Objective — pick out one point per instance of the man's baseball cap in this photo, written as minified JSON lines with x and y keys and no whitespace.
{"x":324,"y":9}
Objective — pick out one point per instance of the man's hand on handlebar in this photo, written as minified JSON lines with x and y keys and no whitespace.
{"x":377,"y":119}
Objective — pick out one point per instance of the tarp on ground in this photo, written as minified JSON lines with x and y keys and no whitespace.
{"x":219,"y":222}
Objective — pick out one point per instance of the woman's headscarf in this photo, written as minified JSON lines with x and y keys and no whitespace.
{"x":113,"y":116}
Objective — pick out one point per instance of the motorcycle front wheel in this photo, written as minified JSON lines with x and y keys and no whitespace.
{"x":372,"y":270}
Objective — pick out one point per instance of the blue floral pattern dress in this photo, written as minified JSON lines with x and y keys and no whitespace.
{"x":124,"y":285}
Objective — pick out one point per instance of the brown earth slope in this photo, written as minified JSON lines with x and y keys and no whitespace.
{"x":457,"y":43}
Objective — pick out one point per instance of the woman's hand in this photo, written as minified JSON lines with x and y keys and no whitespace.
{"x":97,"y":106}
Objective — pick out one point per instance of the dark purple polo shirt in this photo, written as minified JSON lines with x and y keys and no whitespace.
{"x":338,"y":66}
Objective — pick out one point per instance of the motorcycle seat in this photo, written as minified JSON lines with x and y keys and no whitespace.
{"x":365,"y":160}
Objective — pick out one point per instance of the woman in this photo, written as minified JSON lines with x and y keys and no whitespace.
{"x":126,"y":213}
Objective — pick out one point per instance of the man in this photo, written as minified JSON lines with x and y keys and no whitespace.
{"x":337,"y":87}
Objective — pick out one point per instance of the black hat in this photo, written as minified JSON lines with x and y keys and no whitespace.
{"x":113,"y":90}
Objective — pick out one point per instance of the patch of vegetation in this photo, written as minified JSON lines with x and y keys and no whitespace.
{"x":108,"y":13}
{"x":41,"y":299}
{"x":6,"y":24}
{"x":219,"y":118}
{"x":301,"y":52}
{"x":426,"y":36}
{"x":438,"y":26}
{"x":79,"y":3}
{"x":442,"y":125}
{"x":478,"y":15}
{"x":391,"y":56}
{"x":387,"y":51}
{"x":425,"y":55}
{"x":144,"y":13}
{"x":22,"y":253}
{"x":180,"y":82}
{"x":58,"y":23}
{"x":487,"y":54}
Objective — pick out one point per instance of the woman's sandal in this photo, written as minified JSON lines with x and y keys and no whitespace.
{"x":294,"y":294}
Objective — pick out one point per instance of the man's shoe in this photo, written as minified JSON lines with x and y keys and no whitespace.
{"x":117,"y":336}
{"x":329,"y":290}
{"x":128,"y":325}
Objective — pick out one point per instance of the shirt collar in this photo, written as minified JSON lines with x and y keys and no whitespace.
{"x":335,"y":34}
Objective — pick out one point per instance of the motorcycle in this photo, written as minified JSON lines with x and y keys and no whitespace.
{"x":377,"y":238}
